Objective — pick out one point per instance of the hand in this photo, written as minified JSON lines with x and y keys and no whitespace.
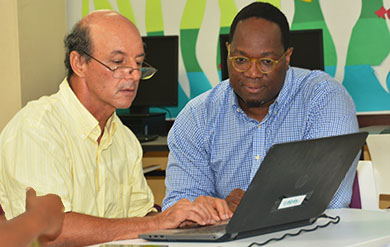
{"x":183,"y":212}
{"x":217,"y":208}
{"x":234,"y":198}
{"x":49,"y":212}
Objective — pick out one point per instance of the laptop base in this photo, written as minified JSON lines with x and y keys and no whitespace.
{"x":223,"y":237}
{"x":274,"y":228}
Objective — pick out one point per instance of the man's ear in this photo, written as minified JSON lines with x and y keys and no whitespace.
{"x":288,"y":56}
{"x":78,"y":63}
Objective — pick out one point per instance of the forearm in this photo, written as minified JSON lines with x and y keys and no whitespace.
{"x":20,"y":231}
{"x":82,"y":230}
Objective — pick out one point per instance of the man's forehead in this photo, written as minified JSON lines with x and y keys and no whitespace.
{"x":123,"y":53}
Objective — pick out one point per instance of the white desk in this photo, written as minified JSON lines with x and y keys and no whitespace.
{"x":356,"y":228}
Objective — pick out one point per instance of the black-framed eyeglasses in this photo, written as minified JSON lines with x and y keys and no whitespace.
{"x":122,"y":72}
{"x":264,"y":65}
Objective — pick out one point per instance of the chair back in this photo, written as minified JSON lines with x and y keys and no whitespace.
{"x":379,"y":148}
{"x":369,"y":195}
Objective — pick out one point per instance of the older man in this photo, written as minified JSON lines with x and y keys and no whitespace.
{"x":73,"y":144}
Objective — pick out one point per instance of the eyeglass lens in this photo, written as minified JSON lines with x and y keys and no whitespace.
{"x":243,"y":64}
{"x":123,"y":72}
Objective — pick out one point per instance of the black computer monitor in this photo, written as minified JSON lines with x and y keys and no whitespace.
{"x":308,"y":50}
{"x":162,"y":89}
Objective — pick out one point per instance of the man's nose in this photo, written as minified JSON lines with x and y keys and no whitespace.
{"x":134,"y":74}
{"x":253,"y":71}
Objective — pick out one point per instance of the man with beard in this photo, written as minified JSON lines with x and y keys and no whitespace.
{"x":220,"y":138}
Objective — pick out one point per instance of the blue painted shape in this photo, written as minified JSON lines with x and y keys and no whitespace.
{"x":365,"y":89}
{"x":331,"y":70}
{"x":198,"y":83}
{"x":388,"y":80}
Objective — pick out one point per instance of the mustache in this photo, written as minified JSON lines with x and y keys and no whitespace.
{"x":128,"y":85}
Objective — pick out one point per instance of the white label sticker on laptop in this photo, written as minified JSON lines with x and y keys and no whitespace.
{"x":291,"y":201}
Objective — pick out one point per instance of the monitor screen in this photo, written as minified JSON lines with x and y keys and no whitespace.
{"x":162,"y":89}
{"x":308,"y":50}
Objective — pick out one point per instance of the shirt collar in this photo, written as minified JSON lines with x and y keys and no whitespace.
{"x":85,"y":121}
{"x":286,"y":89}
{"x":233,"y":99}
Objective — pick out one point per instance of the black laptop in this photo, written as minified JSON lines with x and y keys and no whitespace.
{"x":293,"y":186}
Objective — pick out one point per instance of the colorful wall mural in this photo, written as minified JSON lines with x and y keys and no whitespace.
{"x":356,"y":39}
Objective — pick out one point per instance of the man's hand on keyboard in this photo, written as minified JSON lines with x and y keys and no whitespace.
{"x":184,"y":212}
{"x":234,"y":198}
{"x":217,"y":208}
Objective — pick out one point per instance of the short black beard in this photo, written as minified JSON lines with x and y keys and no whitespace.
{"x":255,"y":104}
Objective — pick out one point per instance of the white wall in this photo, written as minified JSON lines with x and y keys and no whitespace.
{"x":42,"y":28}
{"x":31,"y":62}
{"x":10,"y":94}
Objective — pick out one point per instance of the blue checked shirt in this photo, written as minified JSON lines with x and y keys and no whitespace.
{"x":215,"y":147}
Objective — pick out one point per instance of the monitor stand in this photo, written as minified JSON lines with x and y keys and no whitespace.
{"x":146,"y":126}
{"x":148,"y":138}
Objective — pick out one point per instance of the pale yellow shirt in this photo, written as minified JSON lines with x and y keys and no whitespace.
{"x":51,"y":145}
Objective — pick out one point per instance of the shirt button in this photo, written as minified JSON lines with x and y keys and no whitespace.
{"x":82,"y":136}
{"x":257,"y":157}
{"x":259,"y":126}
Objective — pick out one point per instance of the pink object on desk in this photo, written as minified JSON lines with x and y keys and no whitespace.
{"x":355,"y":200}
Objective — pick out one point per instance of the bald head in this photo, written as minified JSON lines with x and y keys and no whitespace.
{"x":107,"y":19}
{"x":99,"y":15}
{"x":99,"y":27}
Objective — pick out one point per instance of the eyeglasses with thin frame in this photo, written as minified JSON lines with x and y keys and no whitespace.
{"x":264,"y":65}
{"x":122,"y":72}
